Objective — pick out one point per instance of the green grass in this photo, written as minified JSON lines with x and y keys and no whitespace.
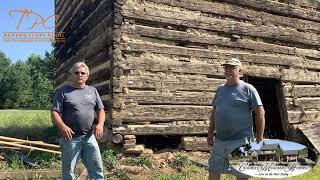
{"x":25,"y":118}
{"x":33,"y":124}
{"x":139,"y":161}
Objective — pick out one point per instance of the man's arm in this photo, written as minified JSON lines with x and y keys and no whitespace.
{"x":64,"y":129}
{"x":101,"y":116}
{"x":260,"y":122}
{"x":211,"y":128}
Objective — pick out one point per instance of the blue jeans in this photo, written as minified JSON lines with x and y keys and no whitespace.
{"x":86,"y":148}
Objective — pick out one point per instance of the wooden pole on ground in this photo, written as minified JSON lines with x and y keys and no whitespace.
{"x":3,"y":138}
{"x":29,"y":147}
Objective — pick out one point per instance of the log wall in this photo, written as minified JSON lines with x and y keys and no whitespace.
{"x":159,"y":61}
{"x":168,"y":55}
{"x":88,"y":28}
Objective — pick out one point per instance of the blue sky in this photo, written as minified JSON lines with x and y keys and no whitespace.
{"x":22,"y":50}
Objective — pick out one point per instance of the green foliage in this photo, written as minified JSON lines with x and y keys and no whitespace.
{"x":14,"y":162}
{"x":181,"y":160}
{"x":110,"y":157}
{"x":139,"y":161}
{"x":26,"y":84}
{"x":169,"y":177}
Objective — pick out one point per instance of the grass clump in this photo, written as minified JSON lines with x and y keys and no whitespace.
{"x":169,"y":177}
{"x":181,"y":161}
{"x":139,"y":161}
{"x":109,"y":157}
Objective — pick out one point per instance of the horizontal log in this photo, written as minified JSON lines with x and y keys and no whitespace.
{"x":162,"y":113}
{"x":315,"y":4}
{"x":68,"y":14}
{"x":61,"y":7}
{"x":218,"y":55}
{"x":167,"y":83}
{"x":238,"y":12}
{"x":210,"y":39}
{"x":300,"y":76}
{"x":303,"y":104}
{"x":311,"y":132}
{"x":154,"y":129}
{"x":281,"y":8}
{"x":194,"y":143}
{"x":201,"y":68}
{"x":301,"y":91}
{"x":303,"y":116}
{"x":226,"y":26}
{"x":177,"y":97}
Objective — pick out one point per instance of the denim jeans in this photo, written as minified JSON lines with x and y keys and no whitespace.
{"x":86,"y":148}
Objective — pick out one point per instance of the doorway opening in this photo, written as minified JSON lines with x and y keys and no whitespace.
{"x":271,"y":96}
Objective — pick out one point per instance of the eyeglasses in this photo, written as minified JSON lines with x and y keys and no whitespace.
{"x":77,"y":72}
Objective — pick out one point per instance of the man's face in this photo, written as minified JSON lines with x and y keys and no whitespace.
{"x":231,"y":72}
{"x":79,"y":75}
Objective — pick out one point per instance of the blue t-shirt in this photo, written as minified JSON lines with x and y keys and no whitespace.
{"x":233,"y":110}
{"x":77,"y":107}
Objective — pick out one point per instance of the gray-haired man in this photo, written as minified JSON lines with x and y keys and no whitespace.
{"x":73,"y":111}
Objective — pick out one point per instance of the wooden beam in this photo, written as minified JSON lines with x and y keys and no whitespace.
{"x":303,"y":116}
{"x":280,"y":8}
{"x":205,"y":38}
{"x":219,"y":55}
{"x":177,"y":97}
{"x":154,"y":129}
{"x":238,"y":12}
{"x":162,"y":113}
{"x":194,"y":143}
{"x":300,"y":76}
{"x":226,"y":26}
{"x":301,"y":91}
{"x":167,"y":82}
{"x":303,"y":104}
{"x":309,"y":4}
{"x":201,"y":68}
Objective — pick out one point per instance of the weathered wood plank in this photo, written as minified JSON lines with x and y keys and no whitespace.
{"x":60,"y":9}
{"x":303,"y":116}
{"x":303,"y":104}
{"x":85,"y":42}
{"x":154,"y":129}
{"x":31,"y":174}
{"x":227,"y":26}
{"x":219,"y":54}
{"x":281,"y":8}
{"x":162,"y":113}
{"x":167,"y":83}
{"x":156,"y":97}
{"x":304,"y":3}
{"x":206,"y":38}
{"x":299,"y":75}
{"x":301,"y":91}
{"x":81,"y":33}
{"x":238,"y":12}
{"x":194,"y":143}
{"x":311,"y":131}
{"x":103,"y":87}
{"x":165,"y":65}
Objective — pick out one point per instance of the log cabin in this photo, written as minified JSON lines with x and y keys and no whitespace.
{"x":157,"y":63}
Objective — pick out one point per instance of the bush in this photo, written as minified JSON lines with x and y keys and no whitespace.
{"x":109,"y":156}
{"x":181,"y":161}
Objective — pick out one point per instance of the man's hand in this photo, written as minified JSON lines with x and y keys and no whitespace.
{"x":66,"y":133}
{"x":99,"y":131}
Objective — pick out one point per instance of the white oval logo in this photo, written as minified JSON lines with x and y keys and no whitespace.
{"x":272,"y":158}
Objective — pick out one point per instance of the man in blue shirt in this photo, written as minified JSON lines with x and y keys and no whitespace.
{"x":232,"y":120}
{"x":73,"y":111}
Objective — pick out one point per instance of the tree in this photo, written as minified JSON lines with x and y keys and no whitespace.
{"x":5,"y":64}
